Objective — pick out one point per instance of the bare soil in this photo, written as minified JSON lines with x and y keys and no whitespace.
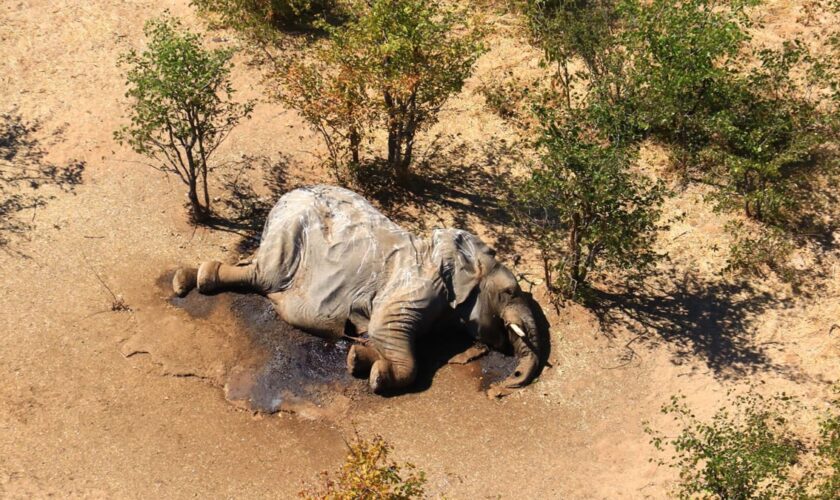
{"x":212,"y":397}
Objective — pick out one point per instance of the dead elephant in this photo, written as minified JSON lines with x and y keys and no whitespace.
{"x":329,"y":262}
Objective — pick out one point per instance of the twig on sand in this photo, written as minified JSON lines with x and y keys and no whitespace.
{"x":631,"y":355}
{"x":681,"y":234}
{"x":118,"y":302}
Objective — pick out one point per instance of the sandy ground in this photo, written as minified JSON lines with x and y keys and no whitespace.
{"x":95,"y":403}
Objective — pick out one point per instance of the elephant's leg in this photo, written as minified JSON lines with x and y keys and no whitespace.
{"x":397,"y":367}
{"x":297,"y":309}
{"x":396,"y":322}
{"x":213,"y":276}
{"x":360,"y":359}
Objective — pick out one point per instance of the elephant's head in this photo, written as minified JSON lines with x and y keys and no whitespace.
{"x":487,"y":297}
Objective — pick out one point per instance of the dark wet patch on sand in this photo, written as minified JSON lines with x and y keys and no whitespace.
{"x":494,"y":367}
{"x":276,"y":367}
{"x":297,"y":372}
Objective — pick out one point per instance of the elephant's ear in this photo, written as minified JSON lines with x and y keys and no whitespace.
{"x":464,"y":260}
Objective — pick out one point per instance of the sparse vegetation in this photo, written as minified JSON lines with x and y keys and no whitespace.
{"x":748,"y":450}
{"x":264,"y":20}
{"x":826,"y":482}
{"x":510,"y":98}
{"x":390,"y":68}
{"x":585,"y":208}
{"x":672,"y":71}
{"x":181,"y":105}
{"x":756,"y":250}
{"x":368,"y":473}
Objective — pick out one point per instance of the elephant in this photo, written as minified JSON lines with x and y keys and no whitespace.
{"x":333,"y":265}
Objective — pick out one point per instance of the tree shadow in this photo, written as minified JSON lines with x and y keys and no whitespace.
{"x":26,"y":175}
{"x":462,"y":180}
{"x":712,"y":321}
{"x":245,"y":205}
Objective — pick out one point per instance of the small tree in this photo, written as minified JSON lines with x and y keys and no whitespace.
{"x":181,"y":107}
{"x":397,"y":61}
{"x":331,"y":92}
{"x":583,"y":205}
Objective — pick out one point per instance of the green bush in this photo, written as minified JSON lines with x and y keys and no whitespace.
{"x":585,"y":208}
{"x":368,"y":474}
{"x":391,"y":67}
{"x":827,"y":480}
{"x":672,"y":71}
{"x":263,"y":19}
{"x":181,"y":107}
{"x":763,"y":143}
{"x":748,"y":450}
{"x":572,"y":31}
{"x":758,"y":249}
{"x":507,"y":97}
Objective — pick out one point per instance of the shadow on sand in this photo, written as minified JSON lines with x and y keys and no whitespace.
{"x":713,"y":321}
{"x":26,"y":175}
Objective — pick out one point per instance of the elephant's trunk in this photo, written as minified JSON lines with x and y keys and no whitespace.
{"x":527,"y":345}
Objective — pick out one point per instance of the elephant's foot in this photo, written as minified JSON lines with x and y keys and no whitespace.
{"x":208,"y":276}
{"x":205,"y":278}
{"x":185,"y":279}
{"x":380,"y":376}
{"x":386,"y":375}
{"x":360,"y":359}
{"x":471,"y":354}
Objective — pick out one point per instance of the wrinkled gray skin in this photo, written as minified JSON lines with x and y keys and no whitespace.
{"x":331,"y":263}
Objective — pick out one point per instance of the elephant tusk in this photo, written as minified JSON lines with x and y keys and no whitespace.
{"x":517,"y":330}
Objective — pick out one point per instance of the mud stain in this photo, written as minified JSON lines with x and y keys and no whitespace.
{"x":296,"y":372}
{"x":273,"y":367}
{"x":494,"y":367}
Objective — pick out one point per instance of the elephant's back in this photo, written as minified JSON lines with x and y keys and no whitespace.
{"x":330,"y":241}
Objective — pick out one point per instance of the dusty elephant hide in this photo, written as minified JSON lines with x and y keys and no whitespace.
{"x":331,"y":263}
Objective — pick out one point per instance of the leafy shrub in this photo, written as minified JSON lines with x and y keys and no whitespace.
{"x":827,"y":481}
{"x":584,"y":206}
{"x":764,"y":141}
{"x":755,"y":251}
{"x":331,"y":92}
{"x":367,"y":473}
{"x":743,"y":454}
{"x":672,"y":71}
{"x":510,"y":98}
{"x":391,"y":67}
{"x":262,"y":19}
{"x":572,"y":30}
{"x":751,"y":452}
{"x":685,"y":54}
{"x":181,"y":107}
